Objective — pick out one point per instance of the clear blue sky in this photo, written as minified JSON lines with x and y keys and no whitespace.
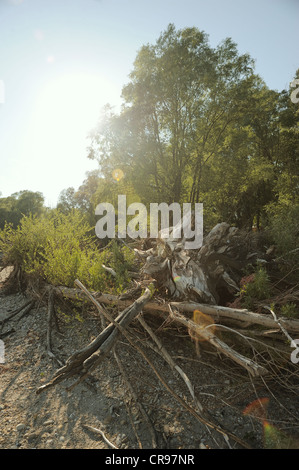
{"x":61,"y":61}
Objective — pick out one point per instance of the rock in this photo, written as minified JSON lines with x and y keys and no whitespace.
{"x":20,"y":427}
{"x":48,"y":422}
{"x":32,"y":436}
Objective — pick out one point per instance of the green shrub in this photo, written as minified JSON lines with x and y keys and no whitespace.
{"x":283,"y":226}
{"x":60,"y":248}
{"x":290,"y":310}
{"x":255,"y":287}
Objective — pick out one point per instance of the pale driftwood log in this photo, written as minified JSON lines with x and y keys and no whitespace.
{"x":217,"y":312}
{"x":221,"y":313}
{"x":205,"y":333}
{"x":199,"y":274}
{"x":67,"y":371}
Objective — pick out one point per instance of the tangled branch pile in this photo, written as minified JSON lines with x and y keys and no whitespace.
{"x":198,"y":291}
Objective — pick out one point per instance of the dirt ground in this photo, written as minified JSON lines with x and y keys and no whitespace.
{"x":55,"y":419}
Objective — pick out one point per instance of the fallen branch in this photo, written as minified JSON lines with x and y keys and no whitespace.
{"x":170,"y":361}
{"x":84,"y":360}
{"x":99,"y":432}
{"x":109,"y":270}
{"x":140,"y":406}
{"x":253,"y":368}
{"x":218,"y":312}
{"x":75,"y":364}
{"x":101,"y":311}
{"x":27,"y":306}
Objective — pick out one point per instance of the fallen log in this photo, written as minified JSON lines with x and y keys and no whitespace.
{"x":205,"y":274}
{"x":218,"y":312}
{"x":204,"y":333}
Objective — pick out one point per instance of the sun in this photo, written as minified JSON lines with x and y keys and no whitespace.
{"x":55,"y":134}
{"x":72,"y":102}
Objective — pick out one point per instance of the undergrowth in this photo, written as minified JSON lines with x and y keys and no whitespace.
{"x":60,"y":248}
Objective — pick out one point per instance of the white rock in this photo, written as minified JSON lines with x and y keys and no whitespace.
{"x":20,"y":427}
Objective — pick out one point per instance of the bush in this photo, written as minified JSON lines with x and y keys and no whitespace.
{"x":283,"y":227}
{"x":255,"y":287}
{"x":60,"y":248}
{"x":289,"y":310}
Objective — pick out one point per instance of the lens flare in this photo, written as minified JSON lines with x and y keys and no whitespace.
{"x":203,"y":321}
{"x":274,"y":438}
{"x":176,"y":278}
{"x":257,"y":409}
{"x":117,"y":174}
{"x":50,"y":59}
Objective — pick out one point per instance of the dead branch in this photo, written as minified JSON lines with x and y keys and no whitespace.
{"x":203,"y":332}
{"x":109,"y":270}
{"x":101,"y":310}
{"x":100,"y":433}
{"x":138,"y":403}
{"x":162,"y":351}
{"x":84,"y":360}
{"x":27,"y":306}
{"x":218,"y":312}
{"x":75,"y":364}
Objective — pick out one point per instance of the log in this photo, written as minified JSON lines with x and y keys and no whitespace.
{"x":201,"y":274}
{"x":253,"y":368}
{"x":218,"y":312}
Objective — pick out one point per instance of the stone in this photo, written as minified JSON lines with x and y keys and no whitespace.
{"x":20,"y":427}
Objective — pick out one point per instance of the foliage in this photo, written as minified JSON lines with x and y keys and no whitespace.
{"x":255,"y":287}
{"x":13,"y":208}
{"x":283,"y":226}
{"x":198,"y":125}
{"x":289,"y":310}
{"x":59,"y":248}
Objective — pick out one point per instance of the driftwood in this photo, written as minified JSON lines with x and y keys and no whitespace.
{"x":99,"y":433}
{"x":84,"y":360}
{"x":218,"y":312}
{"x":219,"y":316}
{"x":204,"y":274}
{"x":26,"y":309}
{"x":204,"y":333}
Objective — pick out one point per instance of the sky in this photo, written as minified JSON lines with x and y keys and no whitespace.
{"x":61,"y":61}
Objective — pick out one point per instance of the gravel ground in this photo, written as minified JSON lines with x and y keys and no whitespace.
{"x":56,"y":418}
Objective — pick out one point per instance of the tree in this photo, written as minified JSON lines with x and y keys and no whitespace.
{"x":177,"y":106}
{"x":21,"y":203}
{"x":198,"y":125}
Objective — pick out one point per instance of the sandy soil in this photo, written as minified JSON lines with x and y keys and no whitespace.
{"x":55,"y":419}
